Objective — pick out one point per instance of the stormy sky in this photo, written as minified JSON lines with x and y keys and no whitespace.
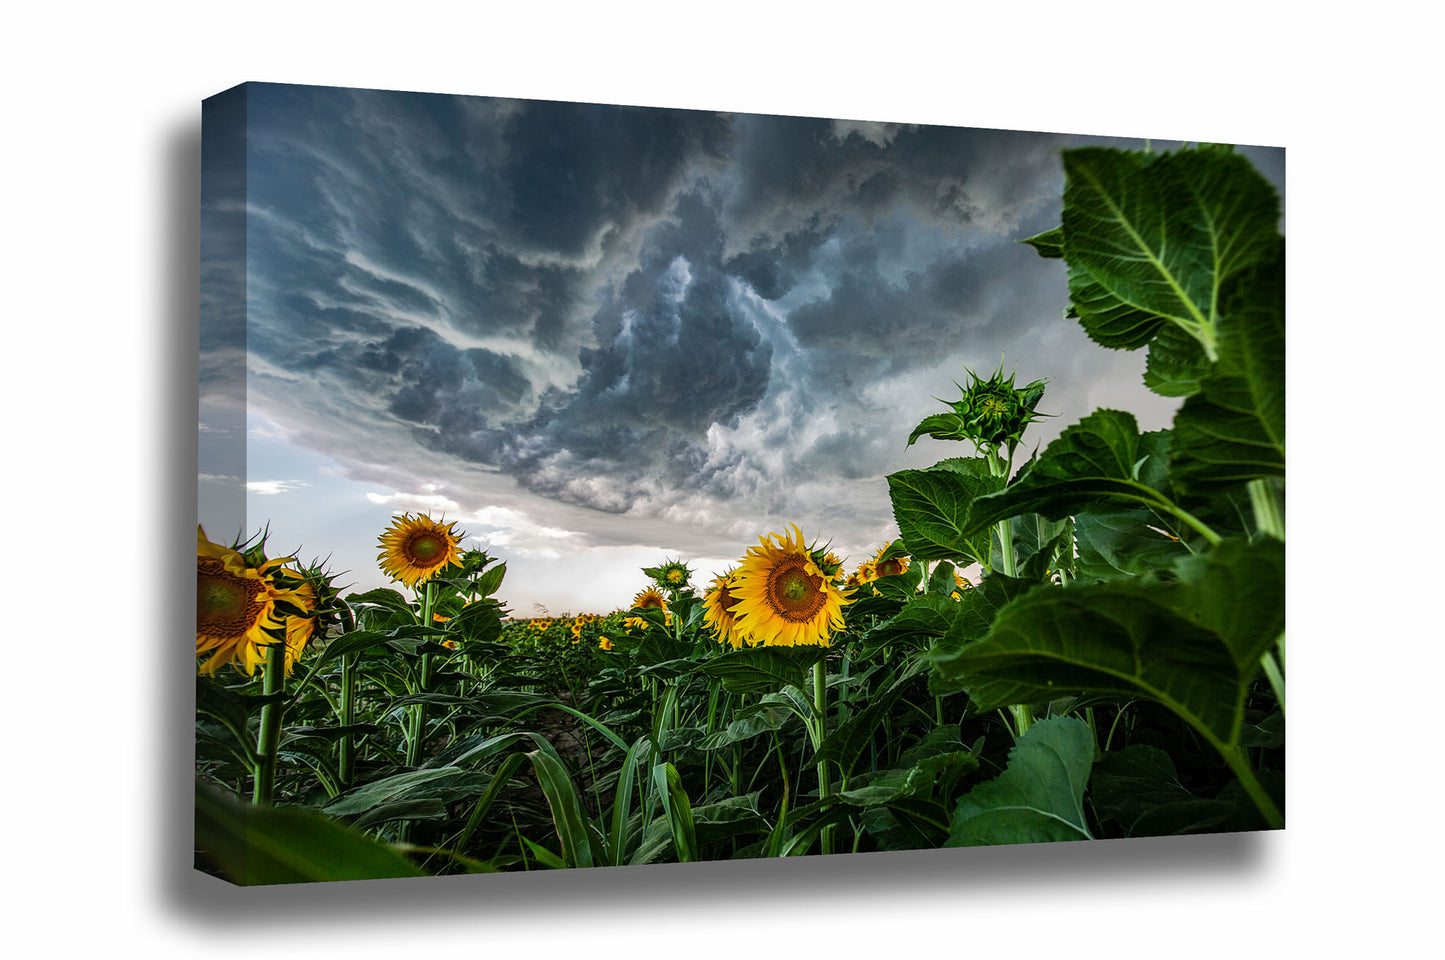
{"x":601,"y":336}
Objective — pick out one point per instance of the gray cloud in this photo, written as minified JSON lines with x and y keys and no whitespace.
{"x":707,"y":319}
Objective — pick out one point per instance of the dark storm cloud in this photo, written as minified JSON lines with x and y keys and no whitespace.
{"x":622,"y":308}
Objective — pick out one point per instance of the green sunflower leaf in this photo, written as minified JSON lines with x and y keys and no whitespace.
{"x":763,"y":669}
{"x":263,"y":845}
{"x":930,"y":507}
{"x":1049,"y":244}
{"x":1152,"y":239}
{"x":1193,"y":645}
{"x":1099,"y":459}
{"x":1125,"y":540}
{"x":1040,"y":795}
{"x":1176,"y":363}
{"x":1233,"y":430}
{"x":1138,"y":788}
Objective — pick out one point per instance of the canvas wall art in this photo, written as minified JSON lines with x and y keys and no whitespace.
{"x":590,"y":485}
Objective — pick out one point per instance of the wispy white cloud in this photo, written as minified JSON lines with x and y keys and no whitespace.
{"x":271,"y":488}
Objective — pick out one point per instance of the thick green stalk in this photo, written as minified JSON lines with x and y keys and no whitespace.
{"x":820,"y":726}
{"x":1023,"y":715}
{"x":269,"y":738}
{"x":418,"y":715}
{"x":1239,"y":763}
{"x":1269,"y":518}
{"x":346,"y":767}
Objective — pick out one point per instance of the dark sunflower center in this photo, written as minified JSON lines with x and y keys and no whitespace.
{"x":890,"y":567}
{"x":425,"y":549}
{"x":226,"y":605}
{"x":793,"y":593}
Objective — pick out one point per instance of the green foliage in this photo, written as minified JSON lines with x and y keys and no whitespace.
{"x":1038,"y":797}
{"x":1112,"y":668}
{"x":247,"y":845}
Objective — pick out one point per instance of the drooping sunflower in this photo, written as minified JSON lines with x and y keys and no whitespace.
{"x":300,"y":629}
{"x":652,"y":599}
{"x":867,"y":572}
{"x":241,"y":609}
{"x":648,"y":599}
{"x":783,"y":596}
{"x":414,"y":548}
{"x":718,"y":606}
{"x":890,"y":567}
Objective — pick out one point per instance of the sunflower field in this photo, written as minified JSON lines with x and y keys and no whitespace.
{"x":1083,"y":641}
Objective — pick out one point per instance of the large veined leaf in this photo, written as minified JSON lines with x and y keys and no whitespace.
{"x":1040,"y":795}
{"x":1125,"y":540}
{"x":1232,"y":431}
{"x":978,"y":607}
{"x":762,"y":669}
{"x":1041,"y":545}
{"x":1176,"y":363}
{"x":1049,"y":244}
{"x":1251,"y":342}
{"x":1193,"y":645}
{"x":930,"y":507}
{"x":1153,"y":239}
{"x":926,"y":615}
{"x":262,"y":845}
{"x":1097,"y":459}
{"x":1139,"y":789}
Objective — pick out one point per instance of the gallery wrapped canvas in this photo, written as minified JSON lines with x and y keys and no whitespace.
{"x":588,"y":485}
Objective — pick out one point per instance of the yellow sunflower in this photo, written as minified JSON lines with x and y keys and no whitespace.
{"x":652,"y":599}
{"x":718,"y":607}
{"x":604,"y":644}
{"x":648,"y":599}
{"x":236,"y":608}
{"x":415,"y":548}
{"x":300,"y":630}
{"x":890,"y":567}
{"x":783,"y":598}
{"x":960,"y":585}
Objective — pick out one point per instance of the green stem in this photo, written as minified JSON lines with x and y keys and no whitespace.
{"x":346,"y":767}
{"x":418,"y":714}
{"x":1199,"y":525}
{"x":820,"y":722}
{"x":1002,"y":530}
{"x":1276,"y":678}
{"x":1239,"y":763}
{"x":269,"y":737}
{"x":1023,"y":716}
{"x":1268,"y":516}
